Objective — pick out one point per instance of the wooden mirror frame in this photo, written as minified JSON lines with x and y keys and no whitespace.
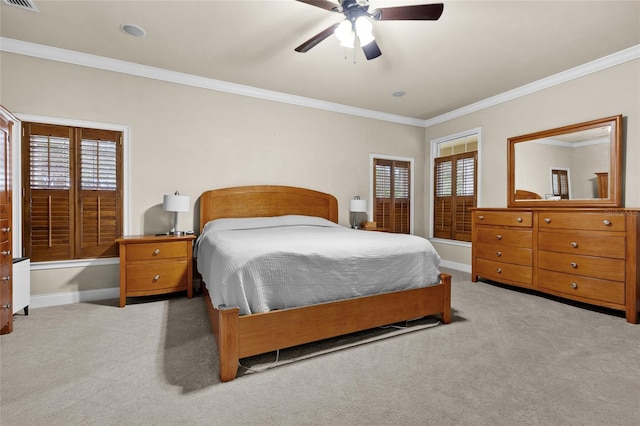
{"x":615,"y":167}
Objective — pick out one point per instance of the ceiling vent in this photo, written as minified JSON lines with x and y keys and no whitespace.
{"x":23,"y":4}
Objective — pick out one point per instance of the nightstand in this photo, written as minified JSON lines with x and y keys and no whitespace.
{"x":376,"y":229}
{"x":155,"y":265}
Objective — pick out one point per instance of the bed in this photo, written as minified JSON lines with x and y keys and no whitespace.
{"x":245,"y":325}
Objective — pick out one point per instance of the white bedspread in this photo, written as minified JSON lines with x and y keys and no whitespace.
{"x":263,"y":264}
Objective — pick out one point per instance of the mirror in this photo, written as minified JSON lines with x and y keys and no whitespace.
{"x":571,"y":166}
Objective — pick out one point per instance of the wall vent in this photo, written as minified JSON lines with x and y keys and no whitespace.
{"x":23,"y":4}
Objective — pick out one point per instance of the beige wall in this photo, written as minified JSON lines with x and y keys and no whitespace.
{"x":606,"y":93}
{"x":191,"y":139}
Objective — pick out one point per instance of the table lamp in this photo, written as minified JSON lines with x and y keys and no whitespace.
{"x":176,"y":203}
{"x":357,"y":206}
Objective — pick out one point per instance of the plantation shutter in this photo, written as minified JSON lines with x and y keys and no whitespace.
{"x":72,"y":206}
{"x":392,"y":191}
{"x":455,"y":193}
{"x":560,"y":183}
{"x":49,"y":214}
{"x":99,"y":204}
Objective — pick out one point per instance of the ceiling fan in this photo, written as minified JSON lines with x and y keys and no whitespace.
{"x":358,"y":22}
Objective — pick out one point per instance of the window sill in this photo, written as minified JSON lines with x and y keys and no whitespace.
{"x":76,"y":263}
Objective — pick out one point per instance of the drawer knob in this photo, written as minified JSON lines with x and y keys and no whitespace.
{"x":606,"y":222}
{"x":156,"y":252}
{"x":7,"y":306}
{"x":5,"y":252}
{"x":547,"y":220}
{"x":574,"y":286}
{"x":574,"y":265}
{"x":7,"y":278}
{"x":499,"y":236}
{"x":156,"y":277}
{"x":481,"y":217}
{"x":519,"y":219}
{"x":499,"y":270}
{"x":5,"y":230}
{"x":574,"y":244}
{"x":498,"y":253}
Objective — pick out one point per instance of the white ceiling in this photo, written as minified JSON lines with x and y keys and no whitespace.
{"x":478,"y":49}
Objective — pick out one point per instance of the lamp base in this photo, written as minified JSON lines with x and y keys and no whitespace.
{"x":177,"y":233}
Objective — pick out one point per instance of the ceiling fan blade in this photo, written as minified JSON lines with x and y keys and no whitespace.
{"x":371,"y":50}
{"x":307,"y":45}
{"x":420,"y":12}
{"x":323,"y":4}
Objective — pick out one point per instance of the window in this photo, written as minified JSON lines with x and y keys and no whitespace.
{"x":392,"y":194}
{"x":72,"y":196}
{"x":455,"y":186}
{"x":560,"y":183}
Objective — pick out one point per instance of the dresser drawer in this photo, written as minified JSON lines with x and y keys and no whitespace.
{"x":163,"y":277}
{"x":503,"y":218}
{"x":157,"y":250}
{"x":581,"y":243}
{"x":517,"y":255}
{"x":597,"y":221}
{"x":504,"y":237}
{"x":589,"y":266}
{"x":504,"y":272}
{"x":575,"y":285}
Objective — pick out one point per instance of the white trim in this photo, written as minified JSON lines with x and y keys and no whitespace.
{"x":99,"y":62}
{"x":78,"y":263}
{"x":17,"y":181}
{"x":432,"y":163}
{"x":108,"y":64}
{"x":455,"y":265}
{"x":67,"y":298}
{"x":605,"y":62}
{"x":411,"y":183}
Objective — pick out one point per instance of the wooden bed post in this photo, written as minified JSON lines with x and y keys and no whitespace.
{"x":446,"y":313}
{"x":224,"y":324}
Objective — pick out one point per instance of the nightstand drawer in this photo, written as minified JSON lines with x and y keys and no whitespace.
{"x":163,"y":276}
{"x":157,"y":250}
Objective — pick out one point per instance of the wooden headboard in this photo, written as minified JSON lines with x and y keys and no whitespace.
{"x":266,"y":201}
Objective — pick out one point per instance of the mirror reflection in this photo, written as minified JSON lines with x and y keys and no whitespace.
{"x":577,"y":165}
{"x":564,"y":167}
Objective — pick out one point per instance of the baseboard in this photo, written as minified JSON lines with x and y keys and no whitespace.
{"x":55,"y":299}
{"x":455,"y":265}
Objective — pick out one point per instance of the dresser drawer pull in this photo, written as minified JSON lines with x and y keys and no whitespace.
{"x":574,"y":286}
{"x":5,"y":252}
{"x":499,"y":270}
{"x":5,"y":230}
{"x":574,"y":265}
{"x":519,"y":219}
{"x":547,"y":220}
{"x":156,"y":252}
{"x":606,"y":222}
{"x":7,"y":306}
{"x":574,"y":244}
{"x":156,"y":277}
{"x":7,"y":278}
{"x":499,"y":253}
{"x":499,"y":236}
{"x":481,"y":217}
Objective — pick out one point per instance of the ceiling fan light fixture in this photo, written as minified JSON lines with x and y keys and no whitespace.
{"x":344,"y":33}
{"x":364,"y":29}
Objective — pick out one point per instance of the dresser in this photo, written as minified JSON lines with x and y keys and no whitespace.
{"x":583,"y":254}
{"x":152,"y":265}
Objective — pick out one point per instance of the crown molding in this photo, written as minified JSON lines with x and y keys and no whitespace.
{"x":605,"y":62}
{"x":115,"y":65}
{"x":93,"y":61}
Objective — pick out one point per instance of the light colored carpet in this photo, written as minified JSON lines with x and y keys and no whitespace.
{"x":508,"y":358}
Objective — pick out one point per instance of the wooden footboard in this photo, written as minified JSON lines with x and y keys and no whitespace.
{"x":247,"y":335}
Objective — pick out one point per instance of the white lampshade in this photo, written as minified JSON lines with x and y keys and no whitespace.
{"x":176,"y":203}
{"x":364,"y":29}
{"x":344,"y":33}
{"x":357,"y":205}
